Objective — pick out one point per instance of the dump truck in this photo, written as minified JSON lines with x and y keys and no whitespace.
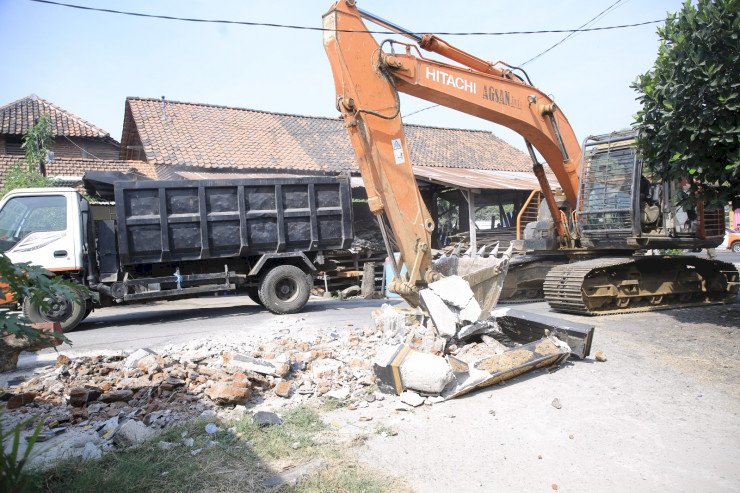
{"x":166,"y":240}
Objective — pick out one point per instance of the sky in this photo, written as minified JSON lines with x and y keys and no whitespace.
{"x":89,"y":62}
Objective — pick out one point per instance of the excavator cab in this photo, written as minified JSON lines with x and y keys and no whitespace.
{"x":622,"y":206}
{"x":609,"y":191}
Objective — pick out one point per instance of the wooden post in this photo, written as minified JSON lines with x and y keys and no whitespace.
{"x":368,"y":280}
{"x":471,"y":220}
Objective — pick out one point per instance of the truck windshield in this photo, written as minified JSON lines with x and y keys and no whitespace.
{"x":21,"y":216}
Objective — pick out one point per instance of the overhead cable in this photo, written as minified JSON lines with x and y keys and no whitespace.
{"x":312,"y":28}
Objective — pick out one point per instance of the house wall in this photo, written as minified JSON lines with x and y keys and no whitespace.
{"x":72,"y":148}
{"x":84,"y":148}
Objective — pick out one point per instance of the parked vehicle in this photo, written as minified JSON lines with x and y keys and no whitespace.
{"x":733,"y":240}
{"x":177,"y":239}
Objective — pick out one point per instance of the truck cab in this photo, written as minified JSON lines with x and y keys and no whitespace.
{"x":43,"y":226}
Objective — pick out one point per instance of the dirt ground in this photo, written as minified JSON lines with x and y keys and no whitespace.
{"x":660,"y":415}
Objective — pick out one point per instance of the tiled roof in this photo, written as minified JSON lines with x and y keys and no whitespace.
{"x":209,"y":136}
{"x":77,"y":167}
{"x":20,"y":115}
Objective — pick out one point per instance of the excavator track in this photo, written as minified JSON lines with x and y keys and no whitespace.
{"x":523,"y":283}
{"x":613,"y":285}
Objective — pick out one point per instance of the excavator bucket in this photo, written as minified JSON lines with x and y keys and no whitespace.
{"x":483,"y":271}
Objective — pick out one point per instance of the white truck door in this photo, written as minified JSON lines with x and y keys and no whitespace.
{"x":42,"y":227}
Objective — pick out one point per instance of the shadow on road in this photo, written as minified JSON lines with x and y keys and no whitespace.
{"x":145,"y":314}
{"x":719,"y":315}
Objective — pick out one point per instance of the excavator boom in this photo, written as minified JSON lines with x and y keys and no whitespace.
{"x":367,"y":82}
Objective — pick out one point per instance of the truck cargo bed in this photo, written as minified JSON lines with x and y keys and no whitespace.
{"x":165,"y":221}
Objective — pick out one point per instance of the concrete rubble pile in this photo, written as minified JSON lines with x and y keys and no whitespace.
{"x":93,"y":404}
{"x":458,"y":347}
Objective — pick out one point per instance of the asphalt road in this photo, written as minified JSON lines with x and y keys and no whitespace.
{"x":128,"y":328}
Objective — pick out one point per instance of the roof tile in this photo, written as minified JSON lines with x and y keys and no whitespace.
{"x":17,"y":117}
{"x":210,"y":136}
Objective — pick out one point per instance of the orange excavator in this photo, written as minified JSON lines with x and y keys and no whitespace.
{"x":605,"y":211}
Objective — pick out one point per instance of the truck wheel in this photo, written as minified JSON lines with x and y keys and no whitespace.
{"x":69,"y":313}
{"x":736,"y":247}
{"x":254,"y":295}
{"x":88,"y":309}
{"x":284,"y":289}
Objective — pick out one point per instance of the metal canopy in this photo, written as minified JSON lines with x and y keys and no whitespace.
{"x":476,"y":180}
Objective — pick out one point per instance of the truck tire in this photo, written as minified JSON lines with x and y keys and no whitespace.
{"x":254,"y":295}
{"x":88,"y":309}
{"x":69,"y":313}
{"x":284,"y":289}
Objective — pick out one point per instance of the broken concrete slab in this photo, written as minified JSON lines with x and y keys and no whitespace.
{"x":471,"y":312}
{"x":479,"y":327}
{"x":264,"y":367}
{"x":133,"y":359}
{"x":444,"y":318}
{"x":340,"y":394}
{"x":453,"y":290}
{"x":512,"y":363}
{"x":465,"y":382}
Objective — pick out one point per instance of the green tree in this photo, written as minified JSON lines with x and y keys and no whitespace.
{"x":689,"y":124}
{"x":31,"y":173}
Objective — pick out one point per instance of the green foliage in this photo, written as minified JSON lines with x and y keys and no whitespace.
{"x":689,"y":125}
{"x":24,"y":175}
{"x":37,"y":141}
{"x":30,"y":281}
{"x":12,"y":477}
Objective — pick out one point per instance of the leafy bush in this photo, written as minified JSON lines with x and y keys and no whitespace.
{"x":30,"y":281}
{"x":12,"y":477}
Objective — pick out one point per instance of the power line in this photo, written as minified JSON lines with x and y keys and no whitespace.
{"x":419,"y":111}
{"x":579,"y":29}
{"x":311,"y":28}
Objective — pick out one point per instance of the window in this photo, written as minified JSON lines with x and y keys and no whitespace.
{"x":13,"y":145}
{"x":21,"y":216}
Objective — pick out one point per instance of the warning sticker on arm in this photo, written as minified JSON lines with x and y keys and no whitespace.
{"x":398,"y":151}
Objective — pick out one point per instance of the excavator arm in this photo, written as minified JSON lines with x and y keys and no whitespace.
{"x":367,"y":81}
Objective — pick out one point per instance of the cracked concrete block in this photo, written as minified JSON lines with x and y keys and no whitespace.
{"x":454,"y":290}
{"x":425,"y":372}
{"x":399,"y":368}
{"x":471,"y":312}
{"x":411,"y":398}
{"x":465,"y":382}
{"x":133,"y":359}
{"x":444,"y":318}
{"x":480,"y":327}
{"x":247,"y":363}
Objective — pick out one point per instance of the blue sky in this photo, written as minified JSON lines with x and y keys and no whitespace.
{"x":89,"y":62}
